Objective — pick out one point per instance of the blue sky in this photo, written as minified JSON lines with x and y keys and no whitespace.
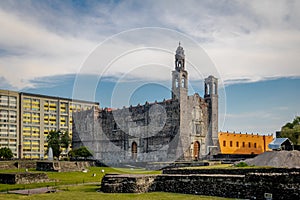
{"x":47,"y":46}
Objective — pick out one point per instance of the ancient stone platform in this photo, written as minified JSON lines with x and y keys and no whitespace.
{"x":250,"y":185}
{"x":62,"y":166}
{"x":23,"y":178}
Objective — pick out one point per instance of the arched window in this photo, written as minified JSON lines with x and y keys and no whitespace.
{"x":196,"y":150}
{"x":134,"y":150}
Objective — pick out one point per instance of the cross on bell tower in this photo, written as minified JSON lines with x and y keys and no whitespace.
{"x":179,"y":75}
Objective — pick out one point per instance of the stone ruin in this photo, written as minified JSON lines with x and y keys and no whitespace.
{"x":277,"y":183}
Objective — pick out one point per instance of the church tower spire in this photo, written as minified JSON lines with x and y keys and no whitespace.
{"x":179,"y":58}
{"x":179,"y":75}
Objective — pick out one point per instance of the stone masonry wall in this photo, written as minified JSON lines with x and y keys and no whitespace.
{"x":111,"y":133}
{"x":62,"y":166}
{"x":248,"y":186}
{"x":23,"y":178}
{"x":241,"y":171}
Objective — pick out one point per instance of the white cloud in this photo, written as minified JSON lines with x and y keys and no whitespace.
{"x":246,"y":40}
{"x":31,"y":51}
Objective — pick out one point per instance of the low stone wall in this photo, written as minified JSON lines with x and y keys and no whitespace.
{"x":249,"y":186}
{"x":17,"y":164}
{"x":23,"y":178}
{"x":26,"y":164}
{"x":162,"y":165}
{"x":62,"y":166}
{"x":7,"y":165}
{"x":237,"y":171}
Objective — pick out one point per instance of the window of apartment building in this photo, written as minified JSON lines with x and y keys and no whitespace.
{"x":13,"y":143}
{"x":35,"y":118}
{"x":249,"y":144}
{"x":35,"y":104}
{"x":3,"y":115}
{"x":3,"y":143}
{"x":27,"y":118}
{"x":243,"y":144}
{"x":46,"y":119}
{"x":3,"y":130}
{"x":254,"y":145}
{"x":237,"y":144}
{"x":12,"y":116}
{"x":230,"y":143}
{"x":13,"y":102}
{"x":27,"y":103}
{"x":63,"y":121}
{"x":13,"y":130}
{"x":52,"y":119}
{"x":53,"y":106}
{"x":75,"y":107}
{"x":3,"y":101}
{"x":35,"y":132}
{"x":224,"y":143}
{"x":64,"y":108}
{"x":26,"y":131}
{"x":46,"y":106}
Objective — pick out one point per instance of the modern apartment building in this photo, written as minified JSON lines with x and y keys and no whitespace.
{"x":9,"y":120}
{"x":27,"y":122}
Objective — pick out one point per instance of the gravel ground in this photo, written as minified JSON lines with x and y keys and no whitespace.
{"x":287,"y":159}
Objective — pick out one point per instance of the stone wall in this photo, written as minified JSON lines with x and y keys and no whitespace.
{"x":7,"y":165}
{"x":235,"y":171}
{"x":62,"y":166}
{"x":17,"y":164}
{"x":23,"y":178}
{"x":247,"y":186}
{"x":111,"y":133}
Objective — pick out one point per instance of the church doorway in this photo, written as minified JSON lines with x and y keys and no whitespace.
{"x":196,"y":150}
{"x":134,"y":150}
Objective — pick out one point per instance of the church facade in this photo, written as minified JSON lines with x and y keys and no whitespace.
{"x":184,"y":127}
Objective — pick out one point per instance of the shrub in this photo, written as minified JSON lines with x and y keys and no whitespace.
{"x":242,"y":164}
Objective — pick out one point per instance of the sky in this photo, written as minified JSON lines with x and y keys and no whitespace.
{"x":122,"y":53}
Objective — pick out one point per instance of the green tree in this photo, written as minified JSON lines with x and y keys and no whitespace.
{"x":65,"y":140}
{"x":81,"y":152}
{"x":6,"y":153}
{"x":291,"y":130}
{"x":53,"y":140}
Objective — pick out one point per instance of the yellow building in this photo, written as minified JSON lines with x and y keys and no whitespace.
{"x":235,"y":143}
{"x":26,"y":120}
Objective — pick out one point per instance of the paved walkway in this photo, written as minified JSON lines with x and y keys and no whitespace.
{"x":45,"y":189}
{"x":34,"y":191}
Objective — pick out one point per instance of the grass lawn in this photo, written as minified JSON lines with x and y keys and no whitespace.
{"x":67,"y":178}
{"x":69,"y":184}
{"x":89,"y":192}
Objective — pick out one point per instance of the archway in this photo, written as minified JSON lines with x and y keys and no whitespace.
{"x":196,"y":150}
{"x":134,"y":150}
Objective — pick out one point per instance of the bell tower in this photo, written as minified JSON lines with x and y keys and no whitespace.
{"x":180,"y":93}
{"x":211,"y":97}
{"x":179,"y":75}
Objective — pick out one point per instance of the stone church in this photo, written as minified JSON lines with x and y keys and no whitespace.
{"x":181,"y":128}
